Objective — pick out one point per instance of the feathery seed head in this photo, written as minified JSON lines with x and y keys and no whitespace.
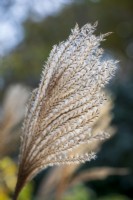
{"x":63,"y":109}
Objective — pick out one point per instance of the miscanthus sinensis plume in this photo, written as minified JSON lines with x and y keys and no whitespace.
{"x":62,"y":110}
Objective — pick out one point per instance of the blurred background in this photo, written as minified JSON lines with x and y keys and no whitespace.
{"x":28,"y":30}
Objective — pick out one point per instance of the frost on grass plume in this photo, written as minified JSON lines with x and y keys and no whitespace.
{"x":63,"y":109}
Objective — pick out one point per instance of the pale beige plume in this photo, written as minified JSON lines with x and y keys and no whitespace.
{"x":62,"y":110}
{"x":13,"y":108}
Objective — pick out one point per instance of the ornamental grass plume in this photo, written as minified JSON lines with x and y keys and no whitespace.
{"x":12,"y":114}
{"x":62,"y":110}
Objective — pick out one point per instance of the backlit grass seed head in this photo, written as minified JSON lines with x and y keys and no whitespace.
{"x":62,"y":111}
